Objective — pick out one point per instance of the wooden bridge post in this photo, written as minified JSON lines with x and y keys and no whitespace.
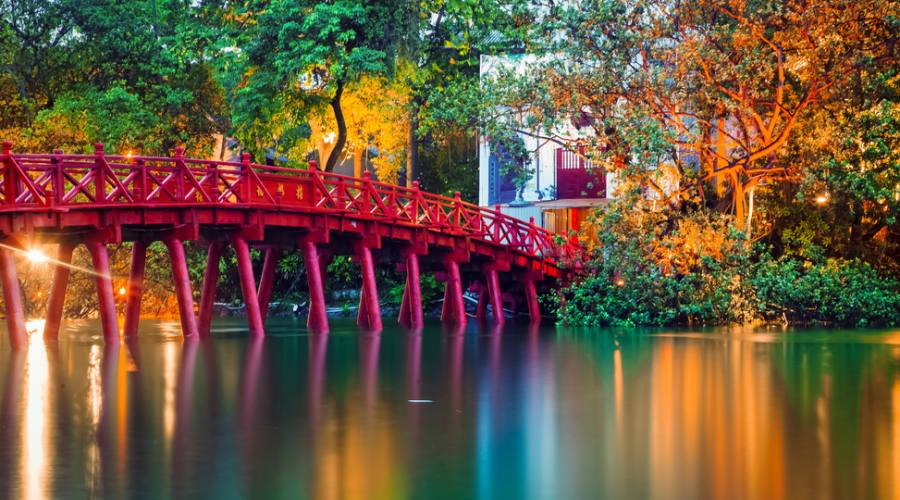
{"x":411,"y":306}
{"x":108,"y":321}
{"x":208,"y":293}
{"x":267,"y":280}
{"x":317,"y":319}
{"x":494,"y":293}
{"x":12,"y":297}
{"x":534,"y":310}
{"x":135,"y":288}
{"x":454,"y":309}
{"x":57,"y":297}
{"x":481,"y":308}
{"x":182,"y":286}
{"x":248,"y":286}
{"x":370,"y":308}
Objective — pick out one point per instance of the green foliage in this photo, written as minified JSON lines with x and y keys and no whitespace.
{"x":649,"y":270}
{"x":653,"y":270}
{"x":834,"y":291}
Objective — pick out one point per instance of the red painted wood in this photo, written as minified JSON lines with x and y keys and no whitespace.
{"x":317,"y":320}
{"x":369,"y":298}
{"x":57,"y":298}
{"x":403,"y":318}
{"x":495,"y":295}
{"x":481,"y":308}
{"x":413,"y":292}
{"x":208,"y":293}
{"x":182,"y":287}
{"x":453,"y":296}
{"x":135,"y":288}
{"x":108,"y":320}
{"x":267,"y":280}
{"x":12,"y":298}
{"x":248,"y":286}
{"x":576,"y":177}
{"x":534,"y":310}
{"x":33,"y":183}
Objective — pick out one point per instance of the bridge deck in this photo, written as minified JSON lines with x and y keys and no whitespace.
{"x":99,"y":199}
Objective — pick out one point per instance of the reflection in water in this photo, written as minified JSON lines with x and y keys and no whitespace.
{"x":522,"y":413}
{"x":35,"y":428}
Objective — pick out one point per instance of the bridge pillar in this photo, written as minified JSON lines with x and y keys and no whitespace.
{"x":267,"y":280}
{"x":534,"y":310}
{"x":454,"y":309}
{"x":369,"y":307}
{"x":12,"y":297}
{"x":480,"y":309}
{"x":135,"y":288}
{"x":494,"y":294}
{"x":182,"y":286}
{"x":58,"y":292}
{"x":248,"y":286}
{"x":411,"y":305}
{"x":108,"y":320}
{"x":317,"y":319}
{"x":208,"y":293}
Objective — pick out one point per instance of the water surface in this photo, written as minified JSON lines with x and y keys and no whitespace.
{"x":527,"y":413}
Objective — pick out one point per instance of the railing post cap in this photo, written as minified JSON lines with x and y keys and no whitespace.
{"x":57,"y":151}
{"x":7,"y":147}
{"x":415,"y":184}
{"x":457,"y":195}
{"x":313,"y":165}
{"x":245,"y":157}
{"x":367,"y":175}
{"x":98,"y":148}
{"x":179,"y":151}
{"x":497,"y":207}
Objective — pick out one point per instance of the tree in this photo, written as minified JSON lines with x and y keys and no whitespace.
{"x":306,"y":54}
{"x":688,"y":96}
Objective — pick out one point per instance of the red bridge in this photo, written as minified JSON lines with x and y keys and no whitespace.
{"x":96,"y":200}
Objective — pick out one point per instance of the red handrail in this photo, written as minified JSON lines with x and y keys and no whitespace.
{"x":34,"y":182}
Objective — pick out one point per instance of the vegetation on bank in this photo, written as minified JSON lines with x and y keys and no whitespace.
{"x":701,"y":271}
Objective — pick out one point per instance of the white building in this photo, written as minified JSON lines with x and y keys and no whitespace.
{"x":565,"y":186}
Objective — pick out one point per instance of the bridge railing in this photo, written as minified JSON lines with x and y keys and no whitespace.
{"x":37,"y":182}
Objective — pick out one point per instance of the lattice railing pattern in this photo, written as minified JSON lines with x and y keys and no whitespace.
{"x":31,"y":182}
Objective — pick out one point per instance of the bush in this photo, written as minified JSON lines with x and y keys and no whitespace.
{"x":839,"y":291}
{"x":652,"y":270}
{"x":657,"y":269}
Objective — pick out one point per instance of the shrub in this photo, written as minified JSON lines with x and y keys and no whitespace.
{"x":839,"y":291}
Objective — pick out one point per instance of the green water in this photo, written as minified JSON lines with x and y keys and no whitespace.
{"x":524,"y":414}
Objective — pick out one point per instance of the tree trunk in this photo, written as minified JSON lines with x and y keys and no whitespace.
{"x":737,"y":191}
{"x":412,"y":147}
{"x":341,"y":131}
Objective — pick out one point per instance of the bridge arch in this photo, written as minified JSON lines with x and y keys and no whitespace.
{"x":101,"y":199}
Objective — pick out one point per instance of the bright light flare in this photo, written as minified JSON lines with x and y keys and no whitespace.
{"x":122,"y":291}
{"x":36,"y":256}
{"x":821,"y":199}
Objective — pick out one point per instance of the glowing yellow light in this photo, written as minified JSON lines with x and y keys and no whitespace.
{"x":328,"y":137}
{"x":36,"y":256}
{"x":122,"y":290}
{"x":821,"y":199}
{"x":128,"y":154}
{"x":620,"y":282}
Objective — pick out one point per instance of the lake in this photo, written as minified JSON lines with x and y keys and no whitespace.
{"x":523,"y":413}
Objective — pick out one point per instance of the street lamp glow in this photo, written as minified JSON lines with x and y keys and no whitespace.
{"x":821,"y":199}
{"x":36,"y":256}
